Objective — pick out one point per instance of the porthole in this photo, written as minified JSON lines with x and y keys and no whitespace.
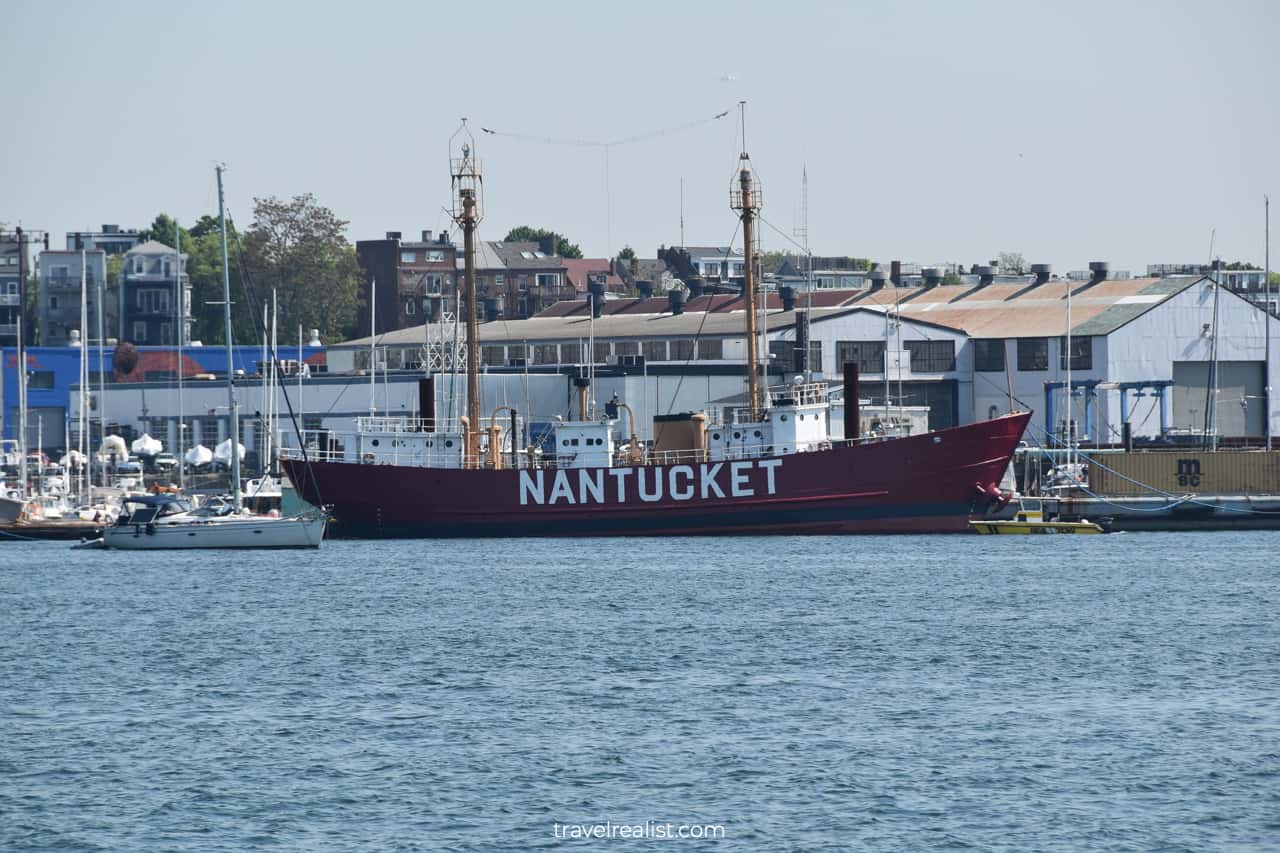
{"x":757,"y":433}
{"x":737,"y":435}
{"x":374,"y":442}
{"x":449,"y":443}
{"x":715,"y":436}
{"x":565,"y":443}
{"x":784,"y":417}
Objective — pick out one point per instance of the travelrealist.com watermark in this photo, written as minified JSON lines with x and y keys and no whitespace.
{"x":648,"y":830}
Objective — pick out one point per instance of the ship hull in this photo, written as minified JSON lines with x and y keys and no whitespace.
{"x":930,"y":483}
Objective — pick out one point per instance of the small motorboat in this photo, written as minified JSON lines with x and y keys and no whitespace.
{"x":1030,"y":519}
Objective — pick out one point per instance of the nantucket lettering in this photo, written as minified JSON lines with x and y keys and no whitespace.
{"x":741,"y":479}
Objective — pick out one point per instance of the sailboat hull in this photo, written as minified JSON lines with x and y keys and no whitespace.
{"x":235,"y":533}
{"x":930,"y":483}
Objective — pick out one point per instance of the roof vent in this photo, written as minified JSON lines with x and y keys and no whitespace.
{"x":675,"y":299}
{"x":877,"y":278}
{"x":787,"y":294}
{"x":645,"y":288}
{"x":595,"y":296}
{"x":1098,"y":271}
{"x":1041,"y":272}
{"x":393,"y":235}
{"x":426,"y":236}
{"x":986,"y":274}
{"x":695,"y":286}
{"x":932,"y":276}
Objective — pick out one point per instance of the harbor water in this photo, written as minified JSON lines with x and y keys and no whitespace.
{"x":1118,"y":692}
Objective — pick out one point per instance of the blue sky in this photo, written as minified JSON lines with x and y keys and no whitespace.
{"x":931,"y":131}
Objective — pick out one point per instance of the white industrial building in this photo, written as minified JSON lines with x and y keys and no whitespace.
{"x":1142,"y":349}
{"x":1142,"y":352}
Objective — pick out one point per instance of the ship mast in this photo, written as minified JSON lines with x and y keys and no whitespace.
{"x":467,"y":187}
{"x":745,"y":198}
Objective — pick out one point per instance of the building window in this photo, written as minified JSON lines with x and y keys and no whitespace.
{"x":1081,"y":353}
{"x":166,"y":333}
{"x":988,"y":355}
{"x":410,"y":307}
{"x":1033,"y":354}
{"x":494,"y":356}
{"x":711,"y":269}
{"x":570,"y":353}
{"x":139,"y":332}
{"x":868,"y":355}
{"x":602,"y":352}
{"x":931,"y":356}
{"x":544,"y":354}
{"x":408,"y":257}
{"x":152,"y":300}
{"x":137,"y":265}
{"x":626,"y":348}
{"x":436,"y":255}
{"x":711,"y":350}
{"x":523,"y":282}
{"x":499,"y":281}
{"x":42,"y":379}
{"x":682,"y":350}
{"x":53,"y":303}
{"x":548,"y":279}
{"x":208,"y":430}
{"x":655,"y":350}
{"x":517,"y":354}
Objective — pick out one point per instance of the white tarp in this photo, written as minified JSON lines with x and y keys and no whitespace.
{"x":199,"y":455}
{"x":145,"y":445}
{"x":222,"y":452}
{"x":113,"y":445}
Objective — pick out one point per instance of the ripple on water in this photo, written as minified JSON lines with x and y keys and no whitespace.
{"x":808,"y":694}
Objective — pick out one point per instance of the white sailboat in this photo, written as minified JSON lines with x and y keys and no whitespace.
{"x":154,"y":522}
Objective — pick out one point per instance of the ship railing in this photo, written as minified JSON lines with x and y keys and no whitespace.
{"x":402,"y":423}
{"x":806,"y":394}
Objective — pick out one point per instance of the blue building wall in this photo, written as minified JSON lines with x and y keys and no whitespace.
{"x":53,"y":371}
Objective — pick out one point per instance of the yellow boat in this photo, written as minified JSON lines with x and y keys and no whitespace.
{"x":1030,"y":519}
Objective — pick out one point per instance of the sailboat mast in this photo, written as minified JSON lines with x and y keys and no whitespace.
{"x":745,"y":200}
{"x":1266,"y":317}
{"x":86,"y":491}
{"x":182,"y":333}
{"x":226,"y":317}
{"x":1071,"y":443}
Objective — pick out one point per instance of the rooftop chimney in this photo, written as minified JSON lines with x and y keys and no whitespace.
{"x":426,"y":236}
{"x":393,"y":235}
{"x":787,"y":294}
{"x":986,"y":274}
{"x":877,"y":278}
{"x":675,"y":299}
{"x":932,"y":276}
{"x":1041,"y":272}
{"x":895,"y":273}
{"x":645,"y":288}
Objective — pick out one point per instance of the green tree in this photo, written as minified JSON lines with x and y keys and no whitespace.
{"x":952,"y":279}
{"x":625,"y":254}
{"x":771,"y":262}
{"x":299,"y":248}
{"x":161,"y":230}
{"x":1011,"y":263}
{"x":1241,"y":265}
{"x":527,"y":234}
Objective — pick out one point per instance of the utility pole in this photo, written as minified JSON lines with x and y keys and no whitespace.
{"x":1266,"y":317}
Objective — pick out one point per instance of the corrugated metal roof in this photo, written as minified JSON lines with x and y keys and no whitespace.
{"x":995,"y":311}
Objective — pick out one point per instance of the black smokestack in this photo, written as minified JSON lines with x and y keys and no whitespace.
{"x":852,"y":416}
{"x":986,"y":274}
{"x":1041,"y":272}
{"x":932,"y":276}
